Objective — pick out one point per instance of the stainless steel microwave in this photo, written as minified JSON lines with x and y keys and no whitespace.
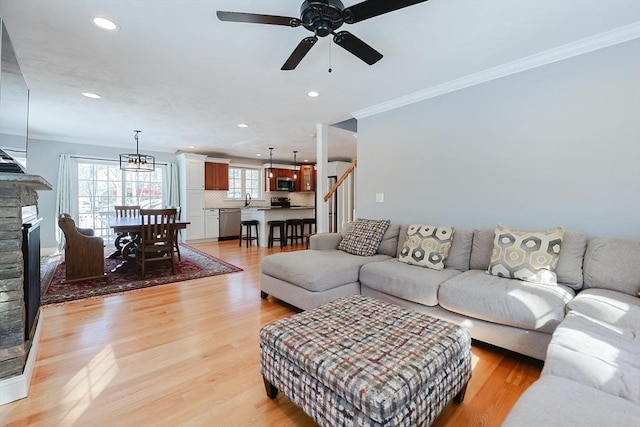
{"x":285,"y":184}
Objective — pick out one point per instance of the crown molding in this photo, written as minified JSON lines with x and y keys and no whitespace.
{"x":589,"y":44}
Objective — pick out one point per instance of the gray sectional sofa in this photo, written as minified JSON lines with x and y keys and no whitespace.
{"x":586,"y":328}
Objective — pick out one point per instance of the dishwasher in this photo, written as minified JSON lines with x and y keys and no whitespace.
{"x":229,"y":223}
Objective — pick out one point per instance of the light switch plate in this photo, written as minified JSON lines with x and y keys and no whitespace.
{"x":379,"y":197}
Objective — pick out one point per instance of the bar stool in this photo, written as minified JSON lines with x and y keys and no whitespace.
{"x":250,"y":225}
{"x":293,"y":230}
{"x":311,"y":222}
{"x":280,"y":226}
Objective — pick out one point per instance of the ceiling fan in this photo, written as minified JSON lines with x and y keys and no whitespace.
{"x":324,"y":17}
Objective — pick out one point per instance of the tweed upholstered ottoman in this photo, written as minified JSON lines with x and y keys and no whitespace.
{"x":363,"y":362}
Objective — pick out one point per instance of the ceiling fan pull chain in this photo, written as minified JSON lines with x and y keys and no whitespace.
{"x":330,"y":57}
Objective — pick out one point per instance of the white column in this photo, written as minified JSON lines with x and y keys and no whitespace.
{"x":322,"y":186}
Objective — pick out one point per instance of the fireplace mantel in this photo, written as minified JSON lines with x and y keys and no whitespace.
{"x":35,"y":182}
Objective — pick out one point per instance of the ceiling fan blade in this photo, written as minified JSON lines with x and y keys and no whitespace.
{"x":254,"y":18}
{"x":370,"y":8}
{"x":300,"y":51}
{"x":351,"y":43}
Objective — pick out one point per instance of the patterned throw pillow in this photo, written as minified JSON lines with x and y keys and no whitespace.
{"x":526,"y":255}
{"x":364,"y":237}
{"x":426,"y":246}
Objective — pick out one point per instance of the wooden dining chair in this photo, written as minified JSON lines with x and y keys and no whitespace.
{"x":83,"y":252}
{"x":125,"y":212}
{"x":176,"y":236}
{"x":156,"y":237}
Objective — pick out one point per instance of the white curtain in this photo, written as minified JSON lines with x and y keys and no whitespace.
{"x":64,"y":199}
{"x":172,"y":189}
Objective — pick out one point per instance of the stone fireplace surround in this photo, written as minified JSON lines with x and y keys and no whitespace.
{"x":17,"y":352}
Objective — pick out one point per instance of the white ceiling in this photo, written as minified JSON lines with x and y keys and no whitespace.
{"x":184,"y":78}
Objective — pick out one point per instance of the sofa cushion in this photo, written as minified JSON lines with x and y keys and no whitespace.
{"x":613,"y":263}
{"x":558,"y":402}
{"x":460,"y":252}
{"x":526,"y":255}
{"x":389,"y":242}
{"x":568,"y":270}
{"x":316,"y":270}
{"x":509,"y":302}
{"x":482,"y":248}
{"x":405,"y":281}
{"x":426,"y":246}
{"x":364,"y":237}
{"x":613,"y":307}
{"x":596,"y":354}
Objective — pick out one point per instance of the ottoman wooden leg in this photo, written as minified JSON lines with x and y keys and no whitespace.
{"x":263,"y":294}
{"x":272,"y":391}
{"x":460,"y":396}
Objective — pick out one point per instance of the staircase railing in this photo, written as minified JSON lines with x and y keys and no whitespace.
{"x":339,"y":182}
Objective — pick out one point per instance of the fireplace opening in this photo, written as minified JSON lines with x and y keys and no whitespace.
{"x":31,"y":259}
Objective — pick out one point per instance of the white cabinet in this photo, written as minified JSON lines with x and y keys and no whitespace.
{"x":212,"y":223}
{"x":191,"y":176}
{"x":195,"y":174}
{"x":195,"y":209}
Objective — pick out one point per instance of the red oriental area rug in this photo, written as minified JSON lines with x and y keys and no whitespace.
{"x":194,"y":264}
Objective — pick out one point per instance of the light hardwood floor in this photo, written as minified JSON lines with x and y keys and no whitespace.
{"x":187,"y":354}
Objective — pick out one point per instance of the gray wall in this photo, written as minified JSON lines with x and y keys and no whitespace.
{"x":43,"y":158}
{"x":555,"y":145}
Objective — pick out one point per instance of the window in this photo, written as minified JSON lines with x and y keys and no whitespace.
{"x":102,"y":185}
{"x":243,"y":181}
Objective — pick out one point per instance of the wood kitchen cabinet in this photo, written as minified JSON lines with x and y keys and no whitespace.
{"x":216,"y":176}
{"x":306,"y":178}
{"x":270,"y":183}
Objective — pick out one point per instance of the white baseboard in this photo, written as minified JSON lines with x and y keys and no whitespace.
{"x":17,"y":387}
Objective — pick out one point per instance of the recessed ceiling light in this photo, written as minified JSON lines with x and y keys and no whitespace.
{"x":243,"y":125}
{"x":104,"y":23}
{"x":312,"y":94}
{"x":91,"y":95}
{"x":258,"y":155}
{"x":192,"y":146}
{"x":306,"y":161}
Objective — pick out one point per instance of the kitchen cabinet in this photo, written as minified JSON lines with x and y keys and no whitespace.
{"x":191,"y":171}
{"x":211,"y":223}
{"x":270,"y":183}
{"x":216,"y":176}
{"x":306,"y":178}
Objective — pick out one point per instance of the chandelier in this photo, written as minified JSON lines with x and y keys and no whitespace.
{"x":137,"y":162}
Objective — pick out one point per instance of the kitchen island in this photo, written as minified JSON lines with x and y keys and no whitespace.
{"x":266,"y":214}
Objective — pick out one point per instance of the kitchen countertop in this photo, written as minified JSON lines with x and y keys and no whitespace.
{"x":265,"y":208}
{"x":268,"y":208}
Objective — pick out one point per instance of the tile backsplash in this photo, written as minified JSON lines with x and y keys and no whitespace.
{"x":218,"y":199}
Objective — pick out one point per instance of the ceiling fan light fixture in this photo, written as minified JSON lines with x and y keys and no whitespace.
{"x":324,"y":17}
{"x":104,"y":23}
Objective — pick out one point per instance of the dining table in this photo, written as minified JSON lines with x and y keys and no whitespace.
{"x":131,"y":227}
